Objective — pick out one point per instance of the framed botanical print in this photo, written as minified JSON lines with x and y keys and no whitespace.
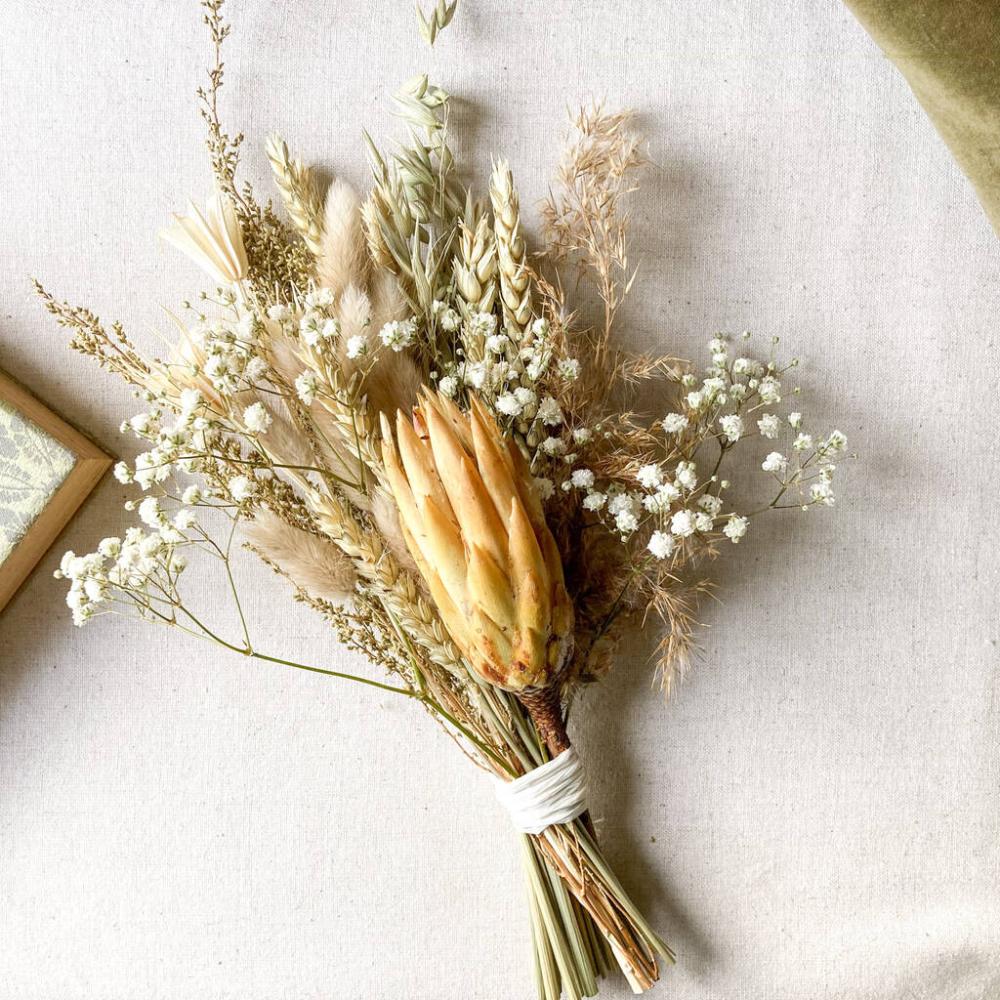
{"x":47,"y":469}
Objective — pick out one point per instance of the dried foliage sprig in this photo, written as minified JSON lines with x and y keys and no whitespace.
{"x":397,"y":408}
{"x":439,"y":19}
{"x":298,"y":190}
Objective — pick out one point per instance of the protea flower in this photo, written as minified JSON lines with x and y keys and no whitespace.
{"x":476,"y":529}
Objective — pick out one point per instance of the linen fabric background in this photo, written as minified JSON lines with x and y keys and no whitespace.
{"x":812,"y":815}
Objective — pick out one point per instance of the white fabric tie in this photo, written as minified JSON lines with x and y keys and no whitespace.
{"x":554,"y":793}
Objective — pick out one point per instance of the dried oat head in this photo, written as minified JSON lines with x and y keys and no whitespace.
{"x":475,"y":526}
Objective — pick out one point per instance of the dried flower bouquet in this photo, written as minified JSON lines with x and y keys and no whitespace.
{"x":390,"y":401}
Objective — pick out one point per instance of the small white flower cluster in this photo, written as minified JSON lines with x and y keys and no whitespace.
{"x":224,"y":352}
{"x":730,"y":400}
{"x":509,"y":376}
{"x":397,"y":335}
{"x":124,"y":566}
{"x":175,"y":447}
{"x":671,"y":499}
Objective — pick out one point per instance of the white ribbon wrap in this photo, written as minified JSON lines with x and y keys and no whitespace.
{"x":554,"y":793}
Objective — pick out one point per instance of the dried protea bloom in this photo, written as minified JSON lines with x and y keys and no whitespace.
{"x":476,"y":529}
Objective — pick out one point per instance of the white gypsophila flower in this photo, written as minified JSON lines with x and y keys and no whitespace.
{"x":310,"y":329}
{"x":626,"y":522}
{"x":189,"y":400}
{"x":571,"y":458}
{"x":661,"y":501}
{"x":498,"y":372}
{"x":150,"y":513}
{"x":448,"y":386}
{"x":544,"y":486}
{"x":475,"y":374}
{"x":822,"y":492}
{"x":770,"y":390}
{"x":122,"y":472}
{"x":481,"y":325}
{"x":185,"y":519}
{"x":581,"y":435}
{"x":319,"y":298}
{"x":795,"y":420}
{"x":398,"y":334}
{"x":769,"y":426}
{"x":256,"y":369}
{"x":714,"y":388}
{"x":508,"y":405}
{"x":620,"y":502}
{"x":660,"y":544}
{"x":703,"y":521}
{"x":582,"y":479}
{"x":732,"y":427}
{"x":540,"y":328}
{"x":835,"y":443}
{"x":191,"y":496}
{"x":682,"y":524}
{"x":549,"y":412}
{"x":649,"y":476}
{"x":802,"y":442}
{"x":279,"y":312}
{"x":257,"y":419}
{"x":552,"y":446}
{"x":775,"y":462}
{"x":497,"y":343}
{"x":711,"y":504}
{"x":171,"y":535}
{"x":742,"y":366}
{"x":356,"y":346}
{"x":694,"y":400}
{"x":686,"y":475}
{"x":568,"y":369}
{"x":528,"y":399}
{"x":240,"y":488}
{"x":306,"y":386}
{"x":450,"y":320}
{"x":142,"y":424}
{"x":674,"y":423}
{"x":735,"y":527}
{"x":717,"y":345}
{"x":594,"y":500}
{"x":534,"y":370}
{"x":110,"y":547}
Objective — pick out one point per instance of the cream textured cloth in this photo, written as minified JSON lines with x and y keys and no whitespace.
{"x":814,"y":816}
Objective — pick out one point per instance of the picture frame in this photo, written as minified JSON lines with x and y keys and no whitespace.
{"x":47,"y":469}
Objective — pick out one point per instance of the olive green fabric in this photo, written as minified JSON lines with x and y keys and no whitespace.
{"x":949,"y":52}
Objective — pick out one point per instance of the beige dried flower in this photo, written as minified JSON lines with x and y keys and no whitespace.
{"x":476,"y":529}
{"x":213,"y":239}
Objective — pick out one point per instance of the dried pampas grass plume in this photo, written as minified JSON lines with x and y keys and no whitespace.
{"x":313,"y":563}
{"x":342,"y":259}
